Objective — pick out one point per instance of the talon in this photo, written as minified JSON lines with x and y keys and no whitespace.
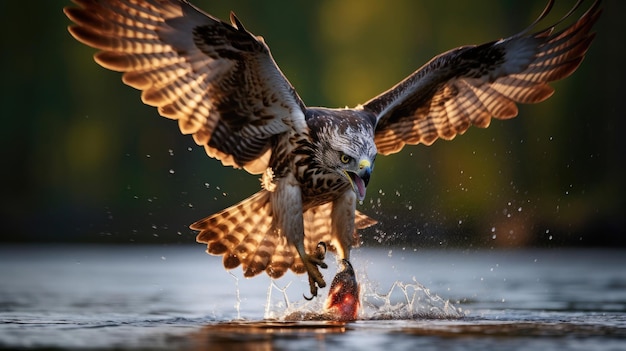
{"x":317,"y":261}
{"x":311,"y":264}
{"x":320,"y":251}
{"x":313,"y":289}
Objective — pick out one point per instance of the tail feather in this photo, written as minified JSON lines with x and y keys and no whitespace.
{"x":258,"y":259}
{"x":317,"y":226}
{"x":362,"y":221}
{"x":289,"y":259}
{"x":245,"y":235}
{"x":223,"y":231}
{"x":253,"y":232}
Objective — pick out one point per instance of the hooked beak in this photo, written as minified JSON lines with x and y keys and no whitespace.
{"x":360,"y":179}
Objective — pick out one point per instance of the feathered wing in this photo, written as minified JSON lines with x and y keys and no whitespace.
{"x":470,"y":85}
{"x":244,"y":235}
{"x":217,"y":79}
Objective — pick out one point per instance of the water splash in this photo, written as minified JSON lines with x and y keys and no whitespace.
{"x":238,"y":296}
{"x":407,"y":301}
{"x":401,"y":301}
{"x":271,"y":306}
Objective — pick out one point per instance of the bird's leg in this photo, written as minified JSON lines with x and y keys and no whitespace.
{"x":343,"y":229}
{"x":320,"y":251}
{"x":288,"y":216}
{"x":342,"y":302}
{"x":315,"y":277}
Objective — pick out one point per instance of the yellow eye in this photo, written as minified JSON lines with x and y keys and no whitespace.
{"x":345,"y":158}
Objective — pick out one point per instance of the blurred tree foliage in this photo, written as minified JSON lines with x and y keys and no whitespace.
{"x":85,"y":160}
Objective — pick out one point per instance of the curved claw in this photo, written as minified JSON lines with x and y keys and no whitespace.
{"x":320,"y":251}
{"x":311,"y":263}
{"x":313,"y":286}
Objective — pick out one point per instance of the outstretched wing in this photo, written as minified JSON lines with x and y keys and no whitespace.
{"x":469,"y":85}
{"x":218,"y":80}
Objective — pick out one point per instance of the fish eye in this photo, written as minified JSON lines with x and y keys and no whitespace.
{"x":345,"y":159}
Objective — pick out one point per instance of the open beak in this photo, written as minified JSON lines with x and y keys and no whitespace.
{"x":360,"y":179}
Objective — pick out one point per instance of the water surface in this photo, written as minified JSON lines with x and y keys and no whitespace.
{"x":177,"y":297}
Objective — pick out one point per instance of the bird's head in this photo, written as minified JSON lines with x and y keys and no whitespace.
{"x":346,"y":146}
{"x":357,"y":171}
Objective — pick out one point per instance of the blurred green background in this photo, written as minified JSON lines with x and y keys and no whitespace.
{"x":85,"y":161}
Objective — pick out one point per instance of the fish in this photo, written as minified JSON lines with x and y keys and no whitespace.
{"x":342,"y":303}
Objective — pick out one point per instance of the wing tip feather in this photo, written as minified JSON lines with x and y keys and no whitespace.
{"x":563,"y":53}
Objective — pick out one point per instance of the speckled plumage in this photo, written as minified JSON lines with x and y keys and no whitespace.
{"x":223,"y":87}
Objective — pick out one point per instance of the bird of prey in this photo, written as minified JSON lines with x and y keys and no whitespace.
{"x":220,"y":82}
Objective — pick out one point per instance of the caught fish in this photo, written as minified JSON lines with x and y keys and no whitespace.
{"x":342,"y":303}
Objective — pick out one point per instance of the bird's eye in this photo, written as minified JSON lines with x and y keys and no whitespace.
{"x":345,"y":158}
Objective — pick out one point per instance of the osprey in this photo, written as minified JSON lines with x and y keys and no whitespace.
{"x":221,"y":84}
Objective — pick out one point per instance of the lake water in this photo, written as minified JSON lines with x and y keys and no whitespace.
{"x":178,"y":298}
